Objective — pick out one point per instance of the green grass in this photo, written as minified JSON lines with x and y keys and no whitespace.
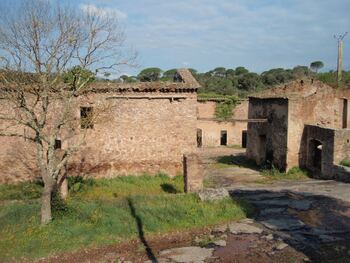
{"x":236,"y":161}
{"x":274,"y":174}
{"x":102,"y":212}
{"x":345,"y":162}
{"x":20,"y":191}
{"x":123,"y":186}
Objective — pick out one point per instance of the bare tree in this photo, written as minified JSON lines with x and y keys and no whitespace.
{"x":38,"y":45}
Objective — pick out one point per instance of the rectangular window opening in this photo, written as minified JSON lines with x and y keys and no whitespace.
{"x":86,"y":118}
{"x":345,"y":114}
{"x":58,"y":144}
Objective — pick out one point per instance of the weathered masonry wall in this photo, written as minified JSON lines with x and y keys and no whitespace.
{"x":146,"y":128}
{"x":324,"y":149}
{"x":211,"y":129}
{"x":142,"y":135}
{"x":267,"y":140}
{"x":322,"y":108}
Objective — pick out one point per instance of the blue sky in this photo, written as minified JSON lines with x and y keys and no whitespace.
{"x":257,"y":34}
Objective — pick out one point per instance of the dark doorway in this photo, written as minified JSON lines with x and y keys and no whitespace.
{"x":199,"y":138}
{"x":244,"y":139}
{"x":316,"y":154}
{"x":223,"y":138}
{"x":345,"y":113}
{"x":269,"y":159}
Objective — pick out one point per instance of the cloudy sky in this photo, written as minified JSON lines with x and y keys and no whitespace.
{"x":257,"y":34}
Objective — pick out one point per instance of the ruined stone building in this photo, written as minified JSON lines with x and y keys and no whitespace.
{"x":212,"y":132}
{"x":304,"y":123}
{"x":150,"y":127}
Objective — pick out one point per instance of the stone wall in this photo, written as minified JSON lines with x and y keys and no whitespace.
{"x":140,"y":132}
{"x":211,"y":128}
{"x":335,"y":147}
{"x":323,"y":108}
{"x":341,"y":173}
{"x":325,"y":136}
{"x":268,"y":139}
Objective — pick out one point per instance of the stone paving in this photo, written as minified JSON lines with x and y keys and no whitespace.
{"x":296,"y":217}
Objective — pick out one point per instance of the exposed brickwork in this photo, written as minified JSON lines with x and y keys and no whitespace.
{"x":268,"y":136}
{"x":147,"y":128}
{"x":289,"y":110}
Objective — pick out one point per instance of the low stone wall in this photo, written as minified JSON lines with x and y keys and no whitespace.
{"x":341,"y":173}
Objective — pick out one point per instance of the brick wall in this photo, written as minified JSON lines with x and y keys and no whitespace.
{"x":149,"y":133}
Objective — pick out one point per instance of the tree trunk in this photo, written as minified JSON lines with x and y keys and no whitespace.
{"x":46,"y":216}
{"x":64,"y":187}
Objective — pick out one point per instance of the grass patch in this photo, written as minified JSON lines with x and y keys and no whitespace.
{"x":123,"y":186}
{"x":345,"y":162}
{"x":102,"y":212}
{"x":20,"y":191}
{"x":274,"y":174}
{"x":236,"y":160}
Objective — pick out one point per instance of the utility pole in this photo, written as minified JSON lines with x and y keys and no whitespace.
{"x":340,"y":38}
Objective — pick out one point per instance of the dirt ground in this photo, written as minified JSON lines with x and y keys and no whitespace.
{"x":298,"y":221}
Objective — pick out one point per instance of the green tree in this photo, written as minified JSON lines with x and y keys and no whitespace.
{"x":249,"y":82}
{"x":80,"y":74}
{"x":169,"y":74}
{"x":316,"y":65}
{"x":230,"y":73}
{"x":128,"y":79}
{"x":219,"y":85}
{"x":241,"y":71}
{"x":219,"y":72}
{"x":300,"y":72}
{"x":149,"y":74}
{"x":276,"y":76}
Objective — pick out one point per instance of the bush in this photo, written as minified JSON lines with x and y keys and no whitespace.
{"x":78,"y":183}
{"x":345,"y":162}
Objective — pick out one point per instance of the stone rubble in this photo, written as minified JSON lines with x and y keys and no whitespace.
{"x":241,"y":228}
{"x":186,"y":254}
{"x":211,"y":194}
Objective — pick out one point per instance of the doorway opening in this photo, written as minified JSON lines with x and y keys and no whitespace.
{"x":315,"y":149}
{"x":223,"y":138}
{"x":244,"y":139}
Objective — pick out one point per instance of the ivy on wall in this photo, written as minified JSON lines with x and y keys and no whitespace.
{"x":224,"y":104}
{"x":223,"y":110}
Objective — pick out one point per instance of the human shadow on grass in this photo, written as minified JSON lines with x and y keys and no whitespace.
{"x":141,"y":234}
{"x":323,"y":232}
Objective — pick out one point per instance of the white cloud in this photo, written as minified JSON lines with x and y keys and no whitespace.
{"x":105,"y":11}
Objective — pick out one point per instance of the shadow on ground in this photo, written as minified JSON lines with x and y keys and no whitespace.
{"x":141,"y":233}
{"x":315,"y":225}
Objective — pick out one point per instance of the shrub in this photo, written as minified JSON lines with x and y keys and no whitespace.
{"x":345,"y":162}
